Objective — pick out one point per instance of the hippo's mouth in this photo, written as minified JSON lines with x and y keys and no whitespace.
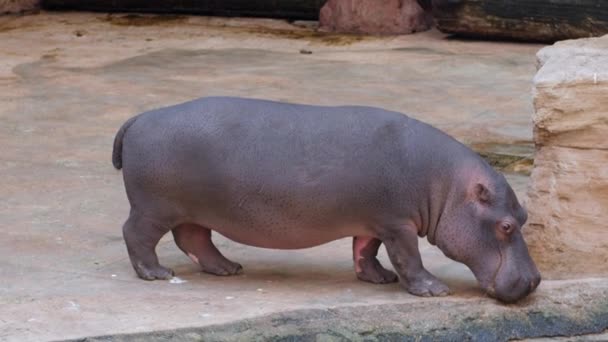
{"x":488,"y":284}
{"x":491,"y":287}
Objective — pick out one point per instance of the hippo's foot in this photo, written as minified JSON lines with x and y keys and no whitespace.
{"x":195,"y":241}
{"x":367,"y":266}
{"x":222,"y":267}
{"x":141,"y":236}
{"x":152,"y":273}
{"x":373,"y":272}
{"x":425,"y":284}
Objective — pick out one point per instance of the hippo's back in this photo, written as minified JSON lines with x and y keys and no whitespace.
{"x":241,"y":137}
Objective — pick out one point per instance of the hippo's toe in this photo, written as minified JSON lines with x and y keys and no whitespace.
{"x":153,"y":273}
{"x":222,"y":267}
{"x":426,"y":285}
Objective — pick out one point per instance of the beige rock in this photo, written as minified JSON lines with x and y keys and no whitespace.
{"x":374,"y":17}
{"x":18,"y":6}
{"x":568,"y":194}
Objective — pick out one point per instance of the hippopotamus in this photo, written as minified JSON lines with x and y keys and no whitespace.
{"x":289,"y":176}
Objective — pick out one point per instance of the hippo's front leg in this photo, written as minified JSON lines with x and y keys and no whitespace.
{"x":402,"y":246}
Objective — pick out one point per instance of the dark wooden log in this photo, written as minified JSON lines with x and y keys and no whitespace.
{"x":528,"y":20}
{"x":292,"y":9}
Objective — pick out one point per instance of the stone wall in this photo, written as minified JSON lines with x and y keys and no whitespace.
{"x":568,"y":195}
{"x":374,"y":17}
{"x":18,"y":6}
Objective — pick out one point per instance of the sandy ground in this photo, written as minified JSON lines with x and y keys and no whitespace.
{"x":69,"y":80}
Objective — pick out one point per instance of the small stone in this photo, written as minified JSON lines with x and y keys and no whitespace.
{"x":177,"y":280}
{"x":306,"y":52}
{"x":73,"y":305}
{"x":229,"y":297}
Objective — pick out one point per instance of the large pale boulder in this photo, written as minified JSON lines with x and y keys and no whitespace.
{"x":568,"y":194}
{"x":18,"y":6}
{"x":374,"y":17}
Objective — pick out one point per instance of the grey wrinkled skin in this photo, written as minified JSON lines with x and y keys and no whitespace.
{"x":289,"y":176}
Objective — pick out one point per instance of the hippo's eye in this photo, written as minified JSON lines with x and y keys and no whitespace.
{"x":506,"y":227}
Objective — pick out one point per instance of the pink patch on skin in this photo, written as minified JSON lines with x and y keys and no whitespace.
{"x":360,"y":243}
{"x":193,"y":257}
{"x":357,"y":267}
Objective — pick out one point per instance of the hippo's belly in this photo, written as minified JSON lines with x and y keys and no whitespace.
{"x":291,"y":235}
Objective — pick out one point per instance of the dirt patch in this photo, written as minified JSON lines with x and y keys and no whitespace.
{"x":313,"y":35}
{"x":512,"y":158}
{"x":297,"y":32}
{"x":509,"y":163}
{"x":6,"y":28}
{"x":8,"y":25}
{"x":143,"y":20}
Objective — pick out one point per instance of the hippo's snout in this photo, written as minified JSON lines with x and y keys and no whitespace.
{"x":518,"y":288}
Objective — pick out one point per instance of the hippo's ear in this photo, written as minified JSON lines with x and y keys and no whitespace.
{"x":482,"y":193}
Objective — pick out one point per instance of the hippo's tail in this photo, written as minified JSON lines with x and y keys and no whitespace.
{"x":117,"y":152}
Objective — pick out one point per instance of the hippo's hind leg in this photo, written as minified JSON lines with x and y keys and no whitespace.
{"x":195,"y":241}
{"x":141,"y":236}
{"x":367,"y":266}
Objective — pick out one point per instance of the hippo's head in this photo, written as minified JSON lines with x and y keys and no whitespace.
{"x":481,"y":227}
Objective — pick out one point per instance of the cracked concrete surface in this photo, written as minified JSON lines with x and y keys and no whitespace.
{"x":69,"y":80}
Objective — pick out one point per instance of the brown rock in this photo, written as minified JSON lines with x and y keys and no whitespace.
{"x":568,"y":194}
{"x":374,"y":17}
{"x":18,"y":6}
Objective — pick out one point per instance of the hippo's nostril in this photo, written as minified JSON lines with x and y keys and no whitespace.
{"x":518,"y":282}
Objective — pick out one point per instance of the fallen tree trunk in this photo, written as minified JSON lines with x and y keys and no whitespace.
{"x":293,"y":9}
{"x":529,"y":20}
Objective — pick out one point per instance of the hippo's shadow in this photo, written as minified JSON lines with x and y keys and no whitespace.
{"x":299,"y":275}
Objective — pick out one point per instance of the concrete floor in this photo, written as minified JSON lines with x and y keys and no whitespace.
{"x":68,"y":81}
